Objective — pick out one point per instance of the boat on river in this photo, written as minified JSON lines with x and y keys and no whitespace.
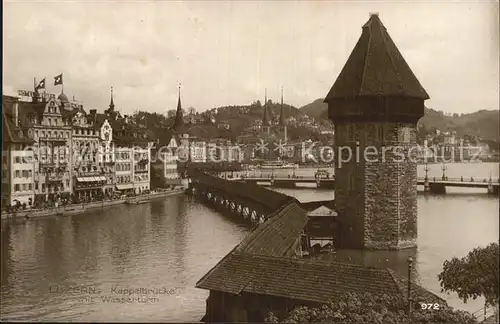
{"x":136,"y":201}
{"x":71,"y":210}
{"x":278,"y":165}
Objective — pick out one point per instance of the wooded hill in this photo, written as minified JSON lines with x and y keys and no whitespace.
{"x":482,"y":123}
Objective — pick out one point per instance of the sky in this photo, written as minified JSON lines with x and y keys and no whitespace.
{"x":227,"y":53}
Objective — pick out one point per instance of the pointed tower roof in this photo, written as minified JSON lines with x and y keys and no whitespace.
{"x":178,"y":125}
{"x":376,"y":68}
{"x":282,"y":112}
{"x":111,"y":103}
{"x":266,"y":118}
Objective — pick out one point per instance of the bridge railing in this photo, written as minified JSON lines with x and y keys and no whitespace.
{"x":461,"y":179}
{"x":485,"y":313}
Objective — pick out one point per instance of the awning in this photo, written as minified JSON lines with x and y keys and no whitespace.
{"x":90,"y":179}
{"x":125,"y":186}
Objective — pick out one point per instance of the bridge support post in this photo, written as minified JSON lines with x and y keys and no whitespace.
{"x":427,"y":186}
{"x":437,"y":188}
{"x":493,"y":190}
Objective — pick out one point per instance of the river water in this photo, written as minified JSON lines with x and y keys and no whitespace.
{"x":75,"y":268}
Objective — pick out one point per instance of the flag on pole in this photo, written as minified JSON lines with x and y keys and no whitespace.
{"x":41,"y":85}
{"x":58,"y":80}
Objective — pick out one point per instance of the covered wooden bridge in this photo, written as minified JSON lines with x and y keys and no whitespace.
{"x":252,"y":202}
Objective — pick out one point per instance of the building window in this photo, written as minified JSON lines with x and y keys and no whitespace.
{"x":30,"y":186}
{"x":24,"y":187}
{"x":67,"y":183}
{"x":36,"y":185}
{"x":17,"y":174}
{"x":16,"y":187}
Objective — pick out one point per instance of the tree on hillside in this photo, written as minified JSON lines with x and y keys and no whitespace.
{"x":171,"y":113}
{"x":191,"y":111}
{"x":474,"y":275}
{"x":373,"y":309}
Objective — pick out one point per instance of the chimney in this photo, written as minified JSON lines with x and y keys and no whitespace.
{"x":16,"y":113}
{"x":93,"y":113}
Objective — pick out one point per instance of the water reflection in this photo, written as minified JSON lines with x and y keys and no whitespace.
{"x":172,"y":243}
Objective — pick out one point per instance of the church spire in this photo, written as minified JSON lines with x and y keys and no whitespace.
{"x":179,"y":122}
{"x":282,"y":112}
{"x":111,"y":103}
{"x":265,"y":118}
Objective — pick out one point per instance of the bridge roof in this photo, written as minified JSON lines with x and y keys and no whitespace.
{"x":277,"y":236}
{"x":301,"y":279}
{"x":269,"y":198}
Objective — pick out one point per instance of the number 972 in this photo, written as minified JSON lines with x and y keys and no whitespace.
{"x":429,"y":306}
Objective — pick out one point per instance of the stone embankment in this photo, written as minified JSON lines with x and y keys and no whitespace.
{"x":37,"y":213}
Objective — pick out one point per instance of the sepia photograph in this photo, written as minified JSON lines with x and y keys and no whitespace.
{"x":281,"y":161}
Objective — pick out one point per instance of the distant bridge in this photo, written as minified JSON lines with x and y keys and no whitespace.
{"x":435,"y":185}
{"x":249,"y":201}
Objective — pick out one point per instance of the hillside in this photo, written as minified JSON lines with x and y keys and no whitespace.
{"x":316,"y":109}
{"x":239,"y":118}
{"x":482,"y":123}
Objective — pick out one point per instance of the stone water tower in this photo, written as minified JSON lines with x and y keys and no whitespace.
{"x":375,"y":104}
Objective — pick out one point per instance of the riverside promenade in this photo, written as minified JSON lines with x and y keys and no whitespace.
{"x":38,"y":213}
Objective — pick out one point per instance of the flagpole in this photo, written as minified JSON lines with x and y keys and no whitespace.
{"x":34,"y":89}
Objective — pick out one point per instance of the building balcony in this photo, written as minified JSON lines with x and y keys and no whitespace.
{"x":53,"y":139}
{"x":54,"y":177}
{"x":47,"y":164}
{"x":56,"y":164}
{"x":144,"y":161}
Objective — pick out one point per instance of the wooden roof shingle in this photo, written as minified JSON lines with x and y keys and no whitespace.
{"x":307,"y":280}
{"x":277,"y":236}
{"x":376,"y":68}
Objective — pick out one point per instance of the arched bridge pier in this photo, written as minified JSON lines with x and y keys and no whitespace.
{"x":248,"y":202}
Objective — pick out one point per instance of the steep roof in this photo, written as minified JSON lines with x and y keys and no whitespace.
{"x":278,"y":234}
{"x":166,"y":135}
{"x":302,"y":279}
{"x":10,"y":131}
{"x":266,"y":118}
{"x":179,"y":126}
{"x":376,"y":68}
{"x":322,"y":211}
